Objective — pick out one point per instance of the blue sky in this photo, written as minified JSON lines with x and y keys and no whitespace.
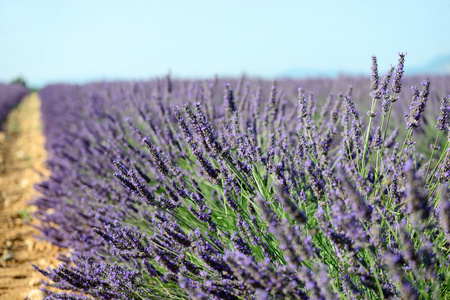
{"x":56,"y":40}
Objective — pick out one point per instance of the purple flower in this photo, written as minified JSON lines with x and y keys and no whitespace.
{"x":397,"y":80}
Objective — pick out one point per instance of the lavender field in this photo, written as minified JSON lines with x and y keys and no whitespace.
{"x":10,"y":96}
{"x":249,"y":189}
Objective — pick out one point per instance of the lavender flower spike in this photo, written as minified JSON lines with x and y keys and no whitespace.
{"x":397,"y":80}
{"x":374,"y":78}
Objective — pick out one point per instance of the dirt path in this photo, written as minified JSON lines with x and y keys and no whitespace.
{"x":22,"y":158}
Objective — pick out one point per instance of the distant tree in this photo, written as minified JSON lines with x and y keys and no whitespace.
{"x":20,"y":80}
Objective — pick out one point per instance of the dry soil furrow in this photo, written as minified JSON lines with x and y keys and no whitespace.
{"x":22,"y":157}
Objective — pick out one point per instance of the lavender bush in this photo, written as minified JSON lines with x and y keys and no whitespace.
{"x":10,"y":96}
{"x":248,"y":189}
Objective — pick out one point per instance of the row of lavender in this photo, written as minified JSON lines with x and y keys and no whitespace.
{"x":10,"y":96}
{"x":247,"y":189}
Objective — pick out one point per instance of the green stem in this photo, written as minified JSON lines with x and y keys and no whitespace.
{"x":380,"y":153}
{"x":366,"y":142}
{"x":438,"y":163}
{"x":432,"y":153}
{"x":408,"y":137}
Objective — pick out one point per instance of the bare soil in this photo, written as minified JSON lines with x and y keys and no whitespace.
{"x":22,"y":157}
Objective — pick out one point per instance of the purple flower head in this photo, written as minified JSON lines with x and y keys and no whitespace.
{"x":417,"y":106}
{"x":444,"y":114}
{"x":397,"y":80}
{"x":374,"y":77}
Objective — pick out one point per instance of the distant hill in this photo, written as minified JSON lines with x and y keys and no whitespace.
{"x":438,"y":66}
{"x":305,"y":73}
